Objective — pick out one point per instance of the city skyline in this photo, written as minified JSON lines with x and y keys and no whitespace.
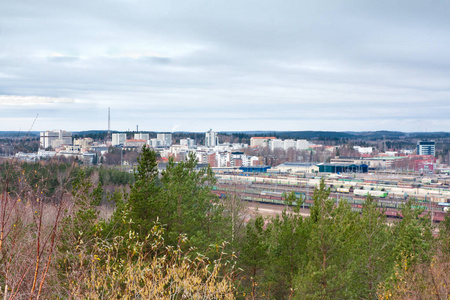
{"x":234,"y":66}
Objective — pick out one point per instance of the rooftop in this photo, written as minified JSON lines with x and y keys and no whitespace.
{"x":297,"y":164}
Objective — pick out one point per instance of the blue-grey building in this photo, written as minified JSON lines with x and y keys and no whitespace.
{"x":255,"y":169}
{"x":426,"y":148}
{"x":343,"y":168}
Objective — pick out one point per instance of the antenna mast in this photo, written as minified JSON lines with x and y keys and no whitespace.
{"x":109,"y":124}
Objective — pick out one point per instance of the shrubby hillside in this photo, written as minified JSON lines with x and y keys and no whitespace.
{"x":89,"y":233}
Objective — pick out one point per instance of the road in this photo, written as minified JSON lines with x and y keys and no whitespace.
{"x":265,"y":209}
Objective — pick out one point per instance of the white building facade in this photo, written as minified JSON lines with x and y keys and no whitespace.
{"x":211,"y":139}
{"x":141,"y":136}
{"x":187,"y":142}
{"x":118,"y":139}
{"x":165,"y":138}
{"x":55,"y":138}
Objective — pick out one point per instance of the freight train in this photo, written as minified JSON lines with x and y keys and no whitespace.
{"x":253,"y":193}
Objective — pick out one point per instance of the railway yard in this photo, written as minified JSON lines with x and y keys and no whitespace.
{"x":431,"y":193}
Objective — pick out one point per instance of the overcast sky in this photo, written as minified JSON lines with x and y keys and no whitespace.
{"x":227,"y":65}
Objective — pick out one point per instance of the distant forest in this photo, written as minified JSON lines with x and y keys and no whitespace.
{"x":319,"y":135}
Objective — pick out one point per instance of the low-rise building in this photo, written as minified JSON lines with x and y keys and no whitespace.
{"x":133,"y":143}
{"x":296,"y":167}
{"x":343,"y":168}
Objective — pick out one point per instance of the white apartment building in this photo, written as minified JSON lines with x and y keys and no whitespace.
{"x":289,"y":144}
{"x":260,"y":141}
{"x":155,"y":143}
{"x":201,"y":156}
{"x":187,"y":142}
{"x":248,"y":161}
{"x":223,"y":159}
{"x":84,"y":143}
{"x":55,"y":138}
{"x":165,"y":138}
{"x":276,"y":144}
{"x":118,"y":138}
{"x":363,"y":150}
{"x":302,"y":144}
{"x":211,"y":139}
{"x":141,"y":136}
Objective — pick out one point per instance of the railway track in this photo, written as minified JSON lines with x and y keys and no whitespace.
{"x":273,"y":194}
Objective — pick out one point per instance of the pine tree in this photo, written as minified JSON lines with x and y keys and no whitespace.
{"x":287,"y":251}
{"x":330,"y":249}
{"x":373,"y":251}
{"x":413,"y":235}
{"x":145,"y":205}
{"x":188,"y":205}
{"x":253,"y":257}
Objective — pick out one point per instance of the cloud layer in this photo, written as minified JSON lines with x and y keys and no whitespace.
{"x":234,"y":65}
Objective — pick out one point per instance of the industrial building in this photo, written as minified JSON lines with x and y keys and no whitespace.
{"x":255,"y":169}
{"x":296,"y":167}
{"x":343,"y":168}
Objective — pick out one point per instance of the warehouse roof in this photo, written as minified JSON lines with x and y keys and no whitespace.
{"x":296,"y":164}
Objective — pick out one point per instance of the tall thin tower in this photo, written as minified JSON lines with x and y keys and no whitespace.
{"x":109,"y":124}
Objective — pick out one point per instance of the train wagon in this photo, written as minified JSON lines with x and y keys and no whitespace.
{"x":345,"y":190}
{"x":378,"y":194}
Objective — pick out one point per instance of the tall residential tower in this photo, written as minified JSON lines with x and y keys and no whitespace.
{"x":211,"y":139}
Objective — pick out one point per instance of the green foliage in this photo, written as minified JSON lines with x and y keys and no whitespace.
{"x":181,"y":200}
{"x":81,"y":225}
{"x":374,"y":257}
{"x":45,"y":176}
{"x":254,"y":257}
{"x":287,"y":251}
{"x":413,"y":235}
{"x":329,"y":248}
{"x":114,"y":176}
{"x":189,"y":206}
{"x":333,"y":254}
{"x":145,"y":205}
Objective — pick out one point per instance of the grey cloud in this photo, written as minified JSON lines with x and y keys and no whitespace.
{"x":63,"y":59}
{"x":219,"y":64}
